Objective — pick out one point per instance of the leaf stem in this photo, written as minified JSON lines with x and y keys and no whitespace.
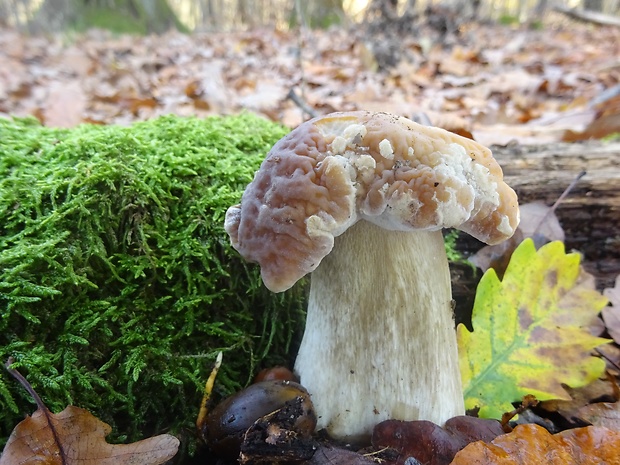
{"x":24,"y":382}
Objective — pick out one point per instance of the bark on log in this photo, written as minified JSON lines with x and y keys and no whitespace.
{"x":590,"y":215}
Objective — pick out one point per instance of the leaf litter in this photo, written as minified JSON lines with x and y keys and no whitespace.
{"x":522,"y":87}
{"x":530,"y":331}
{"x":497,"y":83}
{"x":74,"y":436}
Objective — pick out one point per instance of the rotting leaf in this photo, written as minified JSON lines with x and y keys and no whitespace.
{"x":605,"y":414}
{"x":534,"y":445}
{"x":429,"y":443}
{"x":530,"y":331}
{"x":327,"y":455}
{"x":75,"y":436}
{"x":600,"y":389}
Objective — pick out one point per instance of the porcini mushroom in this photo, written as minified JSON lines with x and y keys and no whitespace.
{"x":359,"y":199}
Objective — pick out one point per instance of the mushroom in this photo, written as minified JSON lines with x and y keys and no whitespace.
{"x":359,"y":199}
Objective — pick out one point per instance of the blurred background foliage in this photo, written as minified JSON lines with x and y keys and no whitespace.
{"x":158,"y":16}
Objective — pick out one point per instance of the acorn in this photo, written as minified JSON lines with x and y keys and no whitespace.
{"x":225,"y":426}
{"x":273,"y":373}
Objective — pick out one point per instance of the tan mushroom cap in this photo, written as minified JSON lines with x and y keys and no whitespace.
{"x":333,"y":171}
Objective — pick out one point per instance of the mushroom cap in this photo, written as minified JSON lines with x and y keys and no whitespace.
{"x":335,"y":170}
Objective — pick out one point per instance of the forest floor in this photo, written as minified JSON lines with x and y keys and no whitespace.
{"x":499,"y":83}
{"x":503,"y":85}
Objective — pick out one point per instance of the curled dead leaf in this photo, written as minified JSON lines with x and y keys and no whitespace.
{"x":74,"y":436}
{"x":429,"y":443}
{"x":534,"y":445}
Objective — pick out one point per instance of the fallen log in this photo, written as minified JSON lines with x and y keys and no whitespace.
{"x":588,"y":16}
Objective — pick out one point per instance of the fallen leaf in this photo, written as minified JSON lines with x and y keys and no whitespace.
{"x":429,"y":443}
{"x":327,"y":455}
{"x":613,"y":293}
{"x":580,"y":397}
{"x":611,"y":315}
{"x":64,"y":105}
{"x":538,"y":221}
{"x":530,"y":331}
{"x":602,"y":127}
{"x":611,"y":354}
{"x":607,"y":122}
{"x":605,"y":414}
{"x":74,"y":436}
{"x":534,"y":445}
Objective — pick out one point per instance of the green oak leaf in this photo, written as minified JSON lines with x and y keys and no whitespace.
{"x":530,"y":331}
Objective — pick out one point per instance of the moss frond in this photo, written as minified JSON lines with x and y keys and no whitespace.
{"x":118,"y":285}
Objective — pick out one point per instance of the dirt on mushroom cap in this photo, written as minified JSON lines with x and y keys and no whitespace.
{"x":335,"y":170}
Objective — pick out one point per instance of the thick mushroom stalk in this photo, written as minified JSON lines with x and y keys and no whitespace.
{"x":359,"y":199}
{"x":379,"y":341}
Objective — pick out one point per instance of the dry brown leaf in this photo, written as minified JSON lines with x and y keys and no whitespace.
{"x":496,"y":76}
{"x":74,"y":436}
{"x":613,"y":293}
{"x":326,"y":455}
{"x":605,"y":414}
{"x":534,"y":445}
{"x":538,"y":221}
{"x":429,"y":443}
{"x":611,"y":315}
{"x":580,"y":397}
{"x":611,"y":354}
{"x":65,"y":105}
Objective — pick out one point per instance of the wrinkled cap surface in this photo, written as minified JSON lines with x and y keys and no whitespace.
{"x":335,"y":170}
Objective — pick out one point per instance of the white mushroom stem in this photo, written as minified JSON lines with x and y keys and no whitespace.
{"x":380,"y":341}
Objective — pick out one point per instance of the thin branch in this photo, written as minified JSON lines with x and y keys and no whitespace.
{"x":301,"y":103}
{"x":554,"y":207}
{"x":24,"y":382}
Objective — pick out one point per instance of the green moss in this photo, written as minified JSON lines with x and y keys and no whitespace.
{"x":454,"y":255}
{"x":117,"y":281}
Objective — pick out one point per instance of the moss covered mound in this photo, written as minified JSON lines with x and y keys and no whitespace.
{"x":117,"y":281}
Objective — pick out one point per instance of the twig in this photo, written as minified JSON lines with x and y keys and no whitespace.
{"x":299,"y":101}
{"x":202,"y":414}
{"x":41,"y":406}
{"x":554,"y":207}
{"x":589,"y":16}
{"x":527,"y":402}
{"x":421,"y":118}
{"x":300,"y":57}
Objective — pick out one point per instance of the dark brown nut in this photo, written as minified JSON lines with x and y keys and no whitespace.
{"x":274,"y":373}
{"x":226,"y":425}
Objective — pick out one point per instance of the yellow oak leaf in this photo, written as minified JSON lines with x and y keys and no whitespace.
{"x":530,"y":331}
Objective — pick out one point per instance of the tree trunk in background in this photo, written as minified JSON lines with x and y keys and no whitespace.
{"x":4,"y":14}
{"x":593,"y":5}
{"x":541,"y":8}
{"x":321,"y":13}
{"x":123,"y":16}
{"x":156,"y":15}
{"x":53,"y":16}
